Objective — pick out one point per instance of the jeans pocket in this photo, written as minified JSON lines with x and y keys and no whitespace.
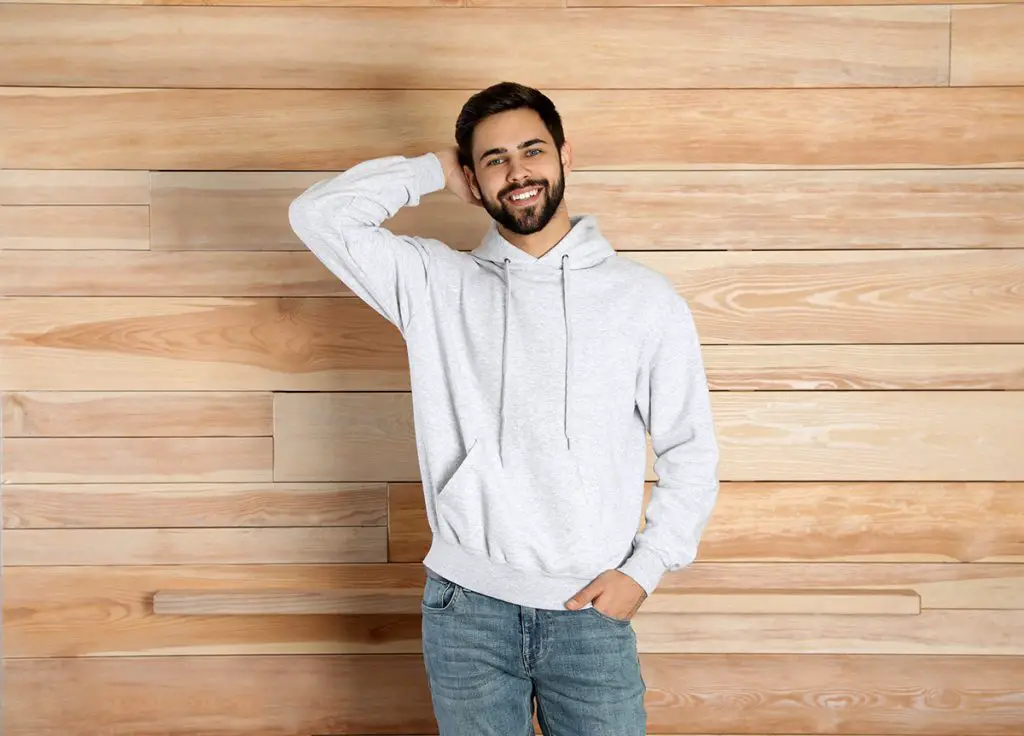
{"x":438,"y":594}
{"x":606,"y":617}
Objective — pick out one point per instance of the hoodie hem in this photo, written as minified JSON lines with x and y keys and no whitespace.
{"x":480,"y":574}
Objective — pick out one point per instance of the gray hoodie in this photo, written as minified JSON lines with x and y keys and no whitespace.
{"x":534,"y":384}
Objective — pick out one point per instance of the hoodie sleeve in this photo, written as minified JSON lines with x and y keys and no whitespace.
{"x":339,"y":220}
{"x":673,"y":398}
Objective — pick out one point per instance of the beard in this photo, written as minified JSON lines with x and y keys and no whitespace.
{"x":532,"y":219}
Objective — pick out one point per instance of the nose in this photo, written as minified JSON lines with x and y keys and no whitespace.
{"x":516,"y":170}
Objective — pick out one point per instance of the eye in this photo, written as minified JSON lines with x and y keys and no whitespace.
{"x":534,"y":150}
{"x":494,"y":161}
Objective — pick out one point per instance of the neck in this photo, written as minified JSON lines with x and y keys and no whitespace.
{"x":540,"y":242}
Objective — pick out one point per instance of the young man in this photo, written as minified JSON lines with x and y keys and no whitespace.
{"x":539,"y":362}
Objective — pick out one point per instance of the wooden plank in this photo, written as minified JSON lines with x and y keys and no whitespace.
{"x":934,"y":296}
{"x":199,"y":344}
{"x":863,"y":367}
{"x":262,"y":602}
{"x":710,"y":693}
{"x":138,"y":459}
{"x":153,"y":274}
{"x":985,"y":45}
{"x":171,"y":344}
{"x":289,"y":545}
{"x":82,"y":227}
{"x":371,"y":434}
{"x":725,"y":3}
{"x":270,"y":3}
{"x":111,"y":46}
{"x":850,"y":297}
{"x":776,"y":436}
{"x":926,"y":436}
{"x":142,"y":505}
{"x":52,"y":611}
{"x":138,"y":414}
{"x":818,"y":522}
{"x":61,"y":187}
{"x":610,"y":129}
{"x":649,"y":210}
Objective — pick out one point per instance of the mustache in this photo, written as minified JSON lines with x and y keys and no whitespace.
{"x":542,"y":184}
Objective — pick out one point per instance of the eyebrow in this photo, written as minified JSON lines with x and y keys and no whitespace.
{"x":524,"y":144}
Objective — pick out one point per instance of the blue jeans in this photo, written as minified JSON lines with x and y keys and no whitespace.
{"x":486,"y":660}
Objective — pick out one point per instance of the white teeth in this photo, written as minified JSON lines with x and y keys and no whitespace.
{"x":527,"y":195}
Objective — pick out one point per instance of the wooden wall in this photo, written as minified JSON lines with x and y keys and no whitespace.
{"x":212,"y":522}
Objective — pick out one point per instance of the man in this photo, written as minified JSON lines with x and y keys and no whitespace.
{"x":539,"y":362}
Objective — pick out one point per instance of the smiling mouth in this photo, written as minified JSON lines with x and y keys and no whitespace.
{"x":523,"y":197}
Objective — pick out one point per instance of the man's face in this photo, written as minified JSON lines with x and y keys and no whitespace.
{"x":519,"y":176}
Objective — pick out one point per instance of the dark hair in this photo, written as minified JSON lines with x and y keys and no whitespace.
{"x":500,"y":98}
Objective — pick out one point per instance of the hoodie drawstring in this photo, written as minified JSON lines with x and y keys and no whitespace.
{"x":568,"y":346}
{"x":504,"y":363}
{"x":567,"y":309}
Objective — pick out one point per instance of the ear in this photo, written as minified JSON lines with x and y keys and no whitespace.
{"x":566,"y":156}
{"x":473,"y":185}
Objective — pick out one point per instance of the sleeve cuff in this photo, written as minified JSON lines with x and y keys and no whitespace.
{"x":428,"y":173}
{"x":645,"y":567}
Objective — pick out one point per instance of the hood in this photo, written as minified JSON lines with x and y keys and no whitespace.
{"x":582,"y":247}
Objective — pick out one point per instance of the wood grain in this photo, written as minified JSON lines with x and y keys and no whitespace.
{"x":138,"y":459}
{"x":83,"y":227}
{"x":713,"y":693}
{"x":985,"y":45}
{"x":935,"y":296}
{"x":143,"y":505}
{"x":172,"y":344}
{"x":152,"y":274}
{"x":165,"y":546}
{"x":818,"y":523}
{"x":64,"y":187}
{"x":204,"y":129}
{"x":197,"y":344}
{"x":138,"y":414}
{"x":850,"y":297}
{"x":111,"y":46}
{"x":648,"y":210}
{"x":96,"y":610}
{"x":777,"y":436}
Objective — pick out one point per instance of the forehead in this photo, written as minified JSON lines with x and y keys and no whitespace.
{"x":508,"y":129}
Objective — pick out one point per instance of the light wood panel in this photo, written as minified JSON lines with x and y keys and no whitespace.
{"x":143,"y":505}
{"x":817,"y":522}
{"x":610,"y":129}
{"x":271,"y":3}
{"x":985,"y":45}
{"x":650,"y":210}
{"x":62,"y":187}
{"x":298,"y":545}
{"x":91,"y":611}
{"x":137,"y":414}
{"x":169,"y":344}
{"x":937,"y":296}
{"x":85,"y":227}
{"x":224,"y":274}
{"x":110,"y":46}
{"x":714,"y":693}
{"x":763,"y":437}
{"x":850,"y":297}
{"x":197,"y":344}
{"x":137,"y":459}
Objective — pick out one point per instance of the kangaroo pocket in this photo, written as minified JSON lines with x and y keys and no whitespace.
{"x":538,"y":514}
